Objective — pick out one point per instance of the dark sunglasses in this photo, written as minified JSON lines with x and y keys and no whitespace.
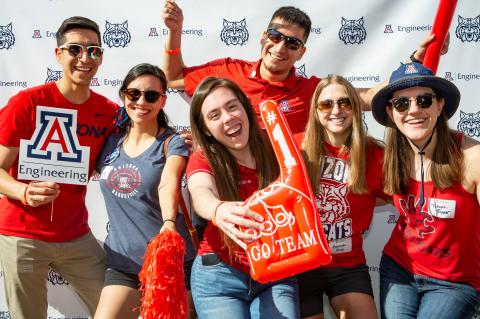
{"x":402,"y":103}
{"x":326,"y":106}
{"x":290,"y":42}
{"x":135,"y":94}
{"x":94,"y":52}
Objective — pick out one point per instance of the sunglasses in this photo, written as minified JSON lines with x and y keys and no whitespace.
{"x":326,"y":106}
{"x":402,"y":103}
{"x":135,"y":94}
{"x":94,"y":52}
{"x":291,"y":43}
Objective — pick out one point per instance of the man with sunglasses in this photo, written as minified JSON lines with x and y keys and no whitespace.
{"x":45,"y":224}
{"x":271,"y":77}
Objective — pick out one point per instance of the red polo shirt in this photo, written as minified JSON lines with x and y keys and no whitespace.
{"x":292,"y":95}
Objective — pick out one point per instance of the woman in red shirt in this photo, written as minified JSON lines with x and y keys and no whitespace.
{"x":346,"y":187}
{"x":431,"y":265}
{"x":234,"y":160}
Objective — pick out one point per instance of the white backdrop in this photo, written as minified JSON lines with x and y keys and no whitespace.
{"x":392,"y":31}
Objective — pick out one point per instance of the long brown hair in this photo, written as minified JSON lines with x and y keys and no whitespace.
{"x":447,"y":162}
{"x":315,"y":135}
{"x":222,"y":162}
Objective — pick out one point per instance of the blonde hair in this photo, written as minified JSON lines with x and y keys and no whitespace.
{"x":315,"y":135}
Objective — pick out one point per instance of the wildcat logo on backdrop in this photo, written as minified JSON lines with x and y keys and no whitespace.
{"x":54,"y":153}
{"x":234,"y":33}
{"x":388,"y":28}
{"x":416,"y":217}
{"x":300,"y":71}
{"x":55,"y":279}
{"x":5,"y":315}
{"x":352,"y":31}
{"x":116,"y":34}
{"x":53,"y":76}
{"x":7,"y":39}
{"x":468,"y":29}
{"x":469,"y":123}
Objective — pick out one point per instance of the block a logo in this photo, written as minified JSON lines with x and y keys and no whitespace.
{"x":94,"y":82}
{"x":234,"y":33}
{"x":468,"y":29}
{"x":153,"y":32}
{"x":53,"y":76}
{"x":116,"y":34}
{"x":448,"y":76}
{"x":352,"y":31}
{"x":36,"y":34}
{"x":388,"y":28}
{"x":54,"y":153}
{"x":7,"y":39}
{"x":300,"y":71}
{"x":469,"y":123}
{"x":55,"y":279}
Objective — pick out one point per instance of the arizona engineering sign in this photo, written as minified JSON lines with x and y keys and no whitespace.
{"x":53,"y":153}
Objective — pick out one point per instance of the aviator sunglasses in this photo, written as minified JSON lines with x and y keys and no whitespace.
{"x":135,"y":94}
{"x":402,"y":103}
{"x":326,"y":106}
{"x":94,"y":52}
{"x":291,"y":43}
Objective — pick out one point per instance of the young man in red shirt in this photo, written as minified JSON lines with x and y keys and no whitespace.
{"x":45,"y":224}
{"x":271,"y":77}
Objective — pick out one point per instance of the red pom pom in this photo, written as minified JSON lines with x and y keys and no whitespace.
{"x":162,"y":279}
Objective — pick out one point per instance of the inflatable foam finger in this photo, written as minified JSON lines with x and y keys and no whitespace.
{"x":293,"y":240}
{"x":441,"y":24}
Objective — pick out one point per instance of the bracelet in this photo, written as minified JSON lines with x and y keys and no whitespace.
{"x":214,"y":215}
{"x":169,"y":220}
{"x":24,"y":198}
{"x":413,"y":59}
{"x":172,"y":51}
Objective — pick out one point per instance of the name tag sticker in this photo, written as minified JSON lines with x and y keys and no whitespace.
{"x":441,"y":208}
{"x":340,"y":246}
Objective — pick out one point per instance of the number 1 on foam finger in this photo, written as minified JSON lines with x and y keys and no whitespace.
{"x":278,"y":136}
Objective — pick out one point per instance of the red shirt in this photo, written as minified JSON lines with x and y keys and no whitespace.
{"x":18,"y":121}
{"x":346,"y":216}
{"x":439,"y":240}
{"x":293,"y":95}
{"x":212,"y":241}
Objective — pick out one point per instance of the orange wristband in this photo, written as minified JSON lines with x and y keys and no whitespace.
{"x":214,"y":215}
{"x":172,"y":51}
{"x":24,"y":198}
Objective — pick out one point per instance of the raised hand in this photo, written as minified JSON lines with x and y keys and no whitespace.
{"x":292,"y":239}
{"x":172,"y":16}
